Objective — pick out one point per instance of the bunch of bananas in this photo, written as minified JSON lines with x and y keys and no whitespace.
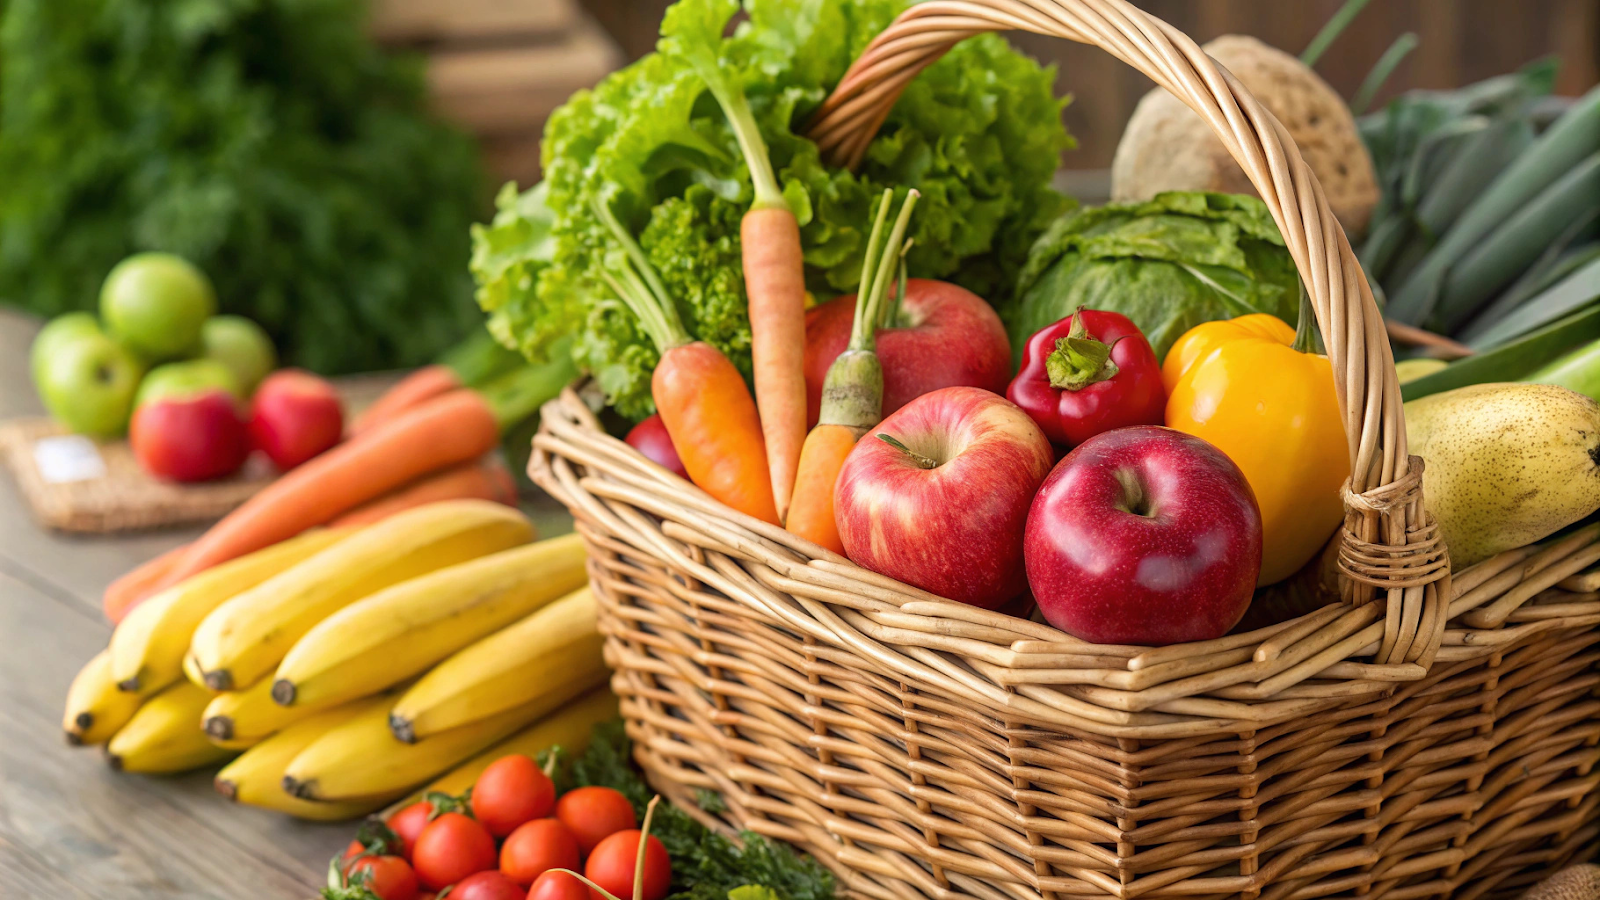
{"x":344,"y":668}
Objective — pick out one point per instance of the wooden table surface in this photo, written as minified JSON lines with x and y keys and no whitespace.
{"x":69,"y":826}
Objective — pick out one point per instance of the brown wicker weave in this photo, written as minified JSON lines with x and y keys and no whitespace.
{"x":1422,"y":737}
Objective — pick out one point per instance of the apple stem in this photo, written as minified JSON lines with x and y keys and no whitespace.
{"x":923,"y":462}
{"x":1134,"y":500}
{"x":1080,"y":359}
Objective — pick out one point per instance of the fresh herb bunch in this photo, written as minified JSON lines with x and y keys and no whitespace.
{"x":267,"y":141}
{"x":705,"y":865}
{"x":978,"y":133}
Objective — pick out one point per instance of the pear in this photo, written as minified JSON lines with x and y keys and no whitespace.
{"x":1507,"y":464}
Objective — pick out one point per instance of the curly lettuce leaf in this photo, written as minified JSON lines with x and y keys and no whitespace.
{"x":978,"y":133}
{"x":1168,"y":263}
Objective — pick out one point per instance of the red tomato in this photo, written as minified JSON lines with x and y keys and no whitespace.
{"x":511,"y":791}
{"x":409,"y":822}
{"x":388,"y":877}
{"x":351,"y":852}
{"x":451,"y":848}
{"x":536,"y":846}
{"x":487,"y":886}
{"x":558,"y":886}
{"x":614,"y":861}
{"x":594,"y":813}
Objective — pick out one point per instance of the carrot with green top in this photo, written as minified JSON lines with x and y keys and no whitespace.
{"x":769,"y":238}
{"x":700,"y":395}
{"x":852,"y":393}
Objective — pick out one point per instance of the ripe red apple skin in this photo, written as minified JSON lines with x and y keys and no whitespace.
{"x":194,"y":437}
{"x":650,"y":438}
{"x":945,"y":336}
{"x":294,"y":416}
{"x":954,"y":530}
{"x":1144,"y":536}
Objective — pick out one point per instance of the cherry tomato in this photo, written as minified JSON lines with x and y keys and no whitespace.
{"x":387,"y":877}
{"x":536,"y":846}
{"x":451,"y":848}
{"x":613,"y":863}
{"x":409,"y":822}
{"x":594,"y":813}
{"x":511,"y":791}
{"x":351,"y":852}
{"x":487,"y":886}
{"x":558,"y":886}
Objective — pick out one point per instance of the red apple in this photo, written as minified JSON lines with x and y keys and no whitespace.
{"x":294,"y":416}
{"x":189,"y":436}
{"x":650,"y":438}
{"x":1146,"y":536}
{"x":943,"y":336}
{"x":941,"y":504}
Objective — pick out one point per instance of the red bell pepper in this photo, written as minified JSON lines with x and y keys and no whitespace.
{"x":1088,"y":373}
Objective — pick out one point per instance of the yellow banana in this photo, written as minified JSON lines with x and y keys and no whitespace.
{"x":402,"y":630}
{"x":568,"y":728}
{"x":239,"y":720}
{"x":246,"y":637}
{"x":164,"y":736}
{"x":545,"y":659}
{"x":148,"y":647}
{"x":191,"y":671}
{"x":256,"y":777}
{"x":95,"y":707}
{"x":360,"y":758}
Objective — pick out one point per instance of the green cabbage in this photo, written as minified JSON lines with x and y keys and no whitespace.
{"x":978,"y":133}
{"x":1168,"y":263}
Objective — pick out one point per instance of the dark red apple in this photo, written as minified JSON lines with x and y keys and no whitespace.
{"x":944,"y":335}
{"x":937,"y":495}
{"x":650,"y":438}
{"x":193,"y":436}
{"x":294,"y":416}
{"x":1144,"y":536}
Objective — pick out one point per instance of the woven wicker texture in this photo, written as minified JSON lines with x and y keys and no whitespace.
{"x":1425,"y":735}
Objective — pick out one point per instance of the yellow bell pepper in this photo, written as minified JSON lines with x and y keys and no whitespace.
{"x":1255,"y":390}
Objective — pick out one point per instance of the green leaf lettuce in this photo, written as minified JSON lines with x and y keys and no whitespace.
{"x":1168,"y":263}
{"x":978,"y":134}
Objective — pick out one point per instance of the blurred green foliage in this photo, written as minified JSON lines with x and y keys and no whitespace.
{"x":268,"y":141}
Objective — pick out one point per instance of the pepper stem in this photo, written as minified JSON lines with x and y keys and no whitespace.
{"x":923,"y":462}
{"x":1080,"y":359}
{"x":1305,"y":330}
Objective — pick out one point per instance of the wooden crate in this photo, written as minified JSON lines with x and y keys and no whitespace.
{"x":499,"y":67}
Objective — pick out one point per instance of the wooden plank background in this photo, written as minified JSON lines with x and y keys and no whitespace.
{"x":1461,"y":41}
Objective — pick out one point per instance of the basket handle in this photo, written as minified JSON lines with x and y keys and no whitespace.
{"x":1388,"y":541}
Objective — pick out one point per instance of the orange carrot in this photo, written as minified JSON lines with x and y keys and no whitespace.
{"x":702,"y":399}
{"x":126,"y":592}
{"x":416,"y":388}
{"x":774,"y":263}
{"x":485,"y":479}
{"x":775,"y":283}
{"x":444,"y":431}
{"x":852,"y":394}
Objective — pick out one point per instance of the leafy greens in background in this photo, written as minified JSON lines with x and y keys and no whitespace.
{"x":269,"y":141}
{"x":1169,"y":263}
{"x":978,"y":134}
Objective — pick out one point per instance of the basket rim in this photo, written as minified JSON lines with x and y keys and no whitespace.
{"x":1028,"y":672}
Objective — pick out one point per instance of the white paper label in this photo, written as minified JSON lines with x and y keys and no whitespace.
{"x":68,"y":458}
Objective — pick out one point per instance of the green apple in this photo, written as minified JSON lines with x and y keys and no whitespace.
{"x":60,"y":330}
{"x":242,"y":346}
{"x":187,"y":378}
{"x":156,"y":303}
{"x":88,"y":382}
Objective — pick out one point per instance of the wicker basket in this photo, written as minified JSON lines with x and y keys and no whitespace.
{"x":1423,"y":737}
